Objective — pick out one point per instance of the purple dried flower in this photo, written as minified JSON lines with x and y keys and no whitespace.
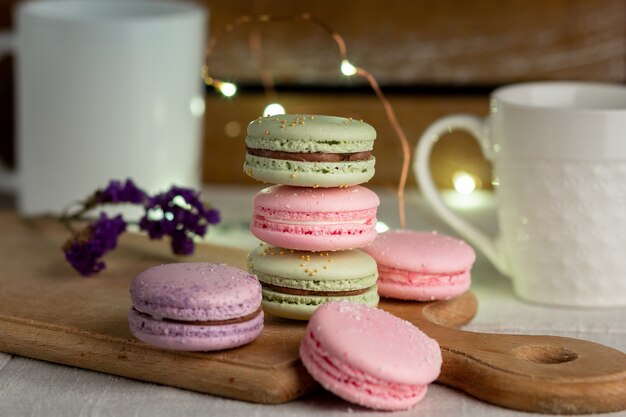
{"x":106,"y":230}
{"x":212,"y":216}
{"x":155,"y":229}
{"x":84,"y":256}
{"x":180,"y":214}
{"x":116,"y":192}
{"x":84,"y":251}
{"x":181,"y":243}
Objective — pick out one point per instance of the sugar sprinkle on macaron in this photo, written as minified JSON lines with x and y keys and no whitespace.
{"x":195,"y":307}
{"x":368,"y":356}
{"x":310,"y":151}
{"x":295,"y":283}
{"x":321,"y":219}
{"x":422,"y":266}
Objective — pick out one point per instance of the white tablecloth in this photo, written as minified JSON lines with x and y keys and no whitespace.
{"x":34,"y":388}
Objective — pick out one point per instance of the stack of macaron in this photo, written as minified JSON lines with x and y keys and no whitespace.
{"x":317,"y":216}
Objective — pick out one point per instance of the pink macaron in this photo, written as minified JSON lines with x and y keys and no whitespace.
{"x":315,"y":219}
{"x":422,"y":266}
{"x":368,"y":356}
{"x":195,"y":307}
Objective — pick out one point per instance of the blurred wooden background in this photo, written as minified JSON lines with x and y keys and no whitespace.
{"x":432,"y":57}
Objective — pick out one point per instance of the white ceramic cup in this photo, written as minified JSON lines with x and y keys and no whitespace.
{"x":106,"y":89}
{"x":559,"y":152}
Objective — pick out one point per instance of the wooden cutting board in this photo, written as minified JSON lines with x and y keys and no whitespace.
{"x":49,"y":312}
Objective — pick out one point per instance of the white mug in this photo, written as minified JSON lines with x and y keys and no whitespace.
{"x":559,"y":152}
{"x":105,"y":90}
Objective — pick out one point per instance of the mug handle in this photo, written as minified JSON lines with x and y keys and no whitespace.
{"x":8,"y":180}
{"x":479,"y":129}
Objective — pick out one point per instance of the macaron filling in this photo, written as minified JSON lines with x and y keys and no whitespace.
{"x":314,"y":222}
{"x":342,"y":374}
{"x":150,"y":330}
{"x":311,"y":156}
{"x":247,"y":317}
{"x":419,"y":279}
{"x":370,"y":296}
{"x":297,"y":291}
{"x":312,"y":217}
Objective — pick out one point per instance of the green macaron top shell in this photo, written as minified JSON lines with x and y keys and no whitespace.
{"x":315,"y":271}
{"x":305,"y":134}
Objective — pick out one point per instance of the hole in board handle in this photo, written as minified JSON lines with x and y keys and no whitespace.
{"x":547,"y":354}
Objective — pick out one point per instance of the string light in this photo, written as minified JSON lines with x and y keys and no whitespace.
{"x":273,"y":109}
{"x":495,"y":181}
{"x":227,"y":89}
{"x":463,"y":182}
{"x":346,"y":68}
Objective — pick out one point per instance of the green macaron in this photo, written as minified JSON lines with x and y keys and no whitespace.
{"x":294,"y":283}
{"x":310,"y":151}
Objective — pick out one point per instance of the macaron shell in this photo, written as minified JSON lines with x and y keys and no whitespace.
{"x":342,"y":237}
{"x":195,"y":291}
{"x":309,"y":174}
{"x":440,"y":291}
{"x":302,"y":307}
{"x":184,"y":337}
{"x":376,"y":343}
{"x":316,"y":128}
{"x":427,"y":252}
{"x":332,"y":376}
{"x":315,"y":200}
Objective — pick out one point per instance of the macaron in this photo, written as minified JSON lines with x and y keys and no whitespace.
{"x":295,"y":283}
{"x":195,"y":307}
{"x":315,"y":219}
{"x":310,"y":151}
{"x":368,"y":356}
{"x":422,"y":266}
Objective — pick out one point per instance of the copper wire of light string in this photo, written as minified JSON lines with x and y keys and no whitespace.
{"x":341,"y":44}
{"x":256,"y":49}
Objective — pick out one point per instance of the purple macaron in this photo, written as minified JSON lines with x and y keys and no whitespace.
{"x":195,"y":307}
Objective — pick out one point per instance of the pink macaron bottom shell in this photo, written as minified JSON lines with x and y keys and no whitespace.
{"x":315,"y":238}
{"x":192,"y":337}
{"x":354,"y":385}
{"x":409,"y":285}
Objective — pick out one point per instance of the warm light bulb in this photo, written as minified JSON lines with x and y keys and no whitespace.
{"x":347,"y":68}
{"x":227,"y":89}
{"x":273,"y":109}
{"x":463,"y":182}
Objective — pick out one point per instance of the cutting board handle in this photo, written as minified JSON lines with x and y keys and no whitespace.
{"x":546,"y":374}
